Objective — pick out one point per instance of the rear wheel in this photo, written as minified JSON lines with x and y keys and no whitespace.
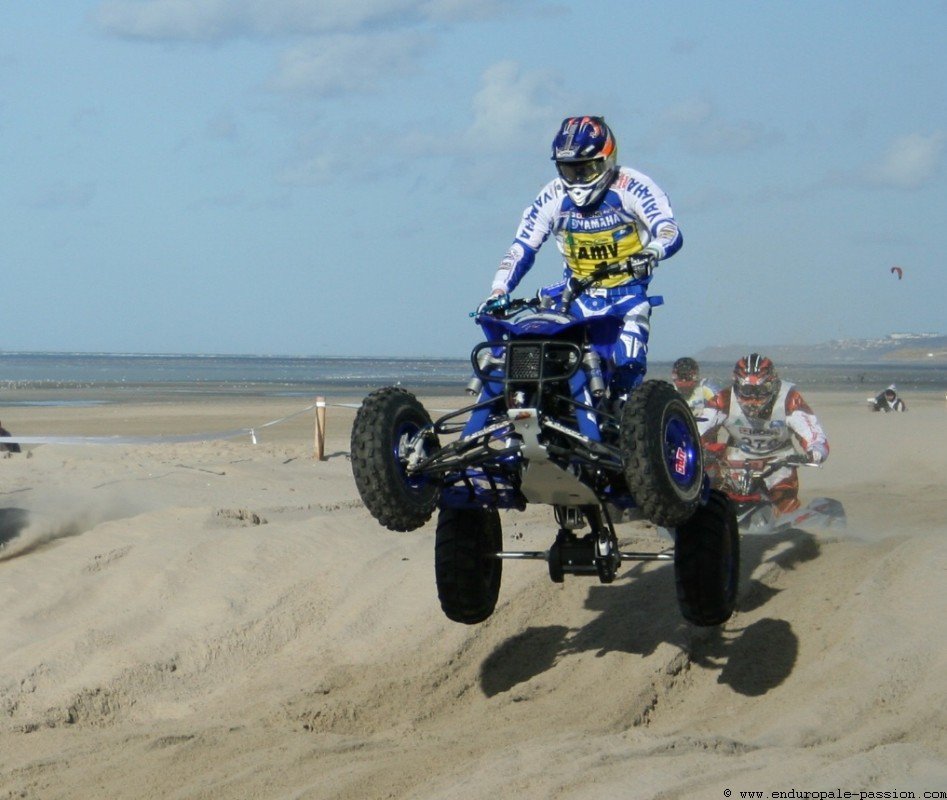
{"x":467,"y":573}
{"x":707,"y":562}
{"x":386,"y":427}
{"x":661,"y":453}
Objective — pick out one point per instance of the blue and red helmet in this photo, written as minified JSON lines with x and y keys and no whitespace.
{"x":586,"y":157}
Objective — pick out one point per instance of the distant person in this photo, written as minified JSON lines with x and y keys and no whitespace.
{"x":7,"y":447}
{"x":888,"y":400}
{"x":764,"y":417}
{"x":685,"y":375}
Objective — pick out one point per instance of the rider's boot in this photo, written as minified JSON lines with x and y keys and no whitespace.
{"x":628,"y":376}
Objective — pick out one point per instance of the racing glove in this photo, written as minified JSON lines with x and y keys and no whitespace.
{"x":641,"y":265}
{"x":816,"y":455}
{"x":496,"y":301}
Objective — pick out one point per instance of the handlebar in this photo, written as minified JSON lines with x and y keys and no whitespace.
{"x":639,"y":262}
{"x":764,"y":470}
{"x":505,"y":304}
{"x":578,"y":286}
{"x":789,"y":461}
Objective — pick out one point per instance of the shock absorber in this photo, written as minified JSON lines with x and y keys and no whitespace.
{"x":593,"y":370}
{"x":485,"y":360}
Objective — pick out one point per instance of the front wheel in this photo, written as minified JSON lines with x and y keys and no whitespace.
{"x":390,"y":425}
{"x":661,"y":453}
{"x":707,"y":562}
{"x":465,"y":567}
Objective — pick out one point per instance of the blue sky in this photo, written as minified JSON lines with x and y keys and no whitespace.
{"x":341,"y":178}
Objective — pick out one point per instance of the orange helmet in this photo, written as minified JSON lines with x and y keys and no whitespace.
{"x":755,"y":384}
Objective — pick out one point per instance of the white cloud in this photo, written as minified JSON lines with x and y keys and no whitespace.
{"x":910,"y":162}
{"x":347,"y":63}
{"x":512,"y":109}
{"x":513,"y":114}
{"x":457,"y":10}
{"x":702,"y":130}
{"x":212,"y":20}
{"x":169,"y":19}
{"x":332,"y":46}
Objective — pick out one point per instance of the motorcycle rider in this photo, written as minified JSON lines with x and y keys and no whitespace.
{"x":685,"y":375}
{"x":761,"y":416}
{"x":598,"y":212}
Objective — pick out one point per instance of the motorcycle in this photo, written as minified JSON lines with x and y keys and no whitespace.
{"x":744,"y":482}
{"x":550,"y":425}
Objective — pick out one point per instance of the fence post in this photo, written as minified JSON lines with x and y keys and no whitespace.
{"x":320,"y":438}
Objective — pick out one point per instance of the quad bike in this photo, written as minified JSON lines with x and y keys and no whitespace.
{"x":550,"y":425}
{"x":744,"y":482}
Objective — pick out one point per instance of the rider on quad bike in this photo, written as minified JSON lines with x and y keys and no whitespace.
{"x":600,"y":213}
{"x":698,"y":392}
{"x":763,"y":418}
{"x":560,"y":412}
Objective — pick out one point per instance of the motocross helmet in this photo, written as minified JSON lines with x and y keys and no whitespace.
{"x":755,"y":384}
{"x":586,"y":158}
{"x":684,"y":374}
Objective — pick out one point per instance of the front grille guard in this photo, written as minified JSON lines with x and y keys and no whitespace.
{"x":534,"y":361}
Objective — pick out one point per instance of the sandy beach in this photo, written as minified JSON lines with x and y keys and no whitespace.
{"x":223,"y":619}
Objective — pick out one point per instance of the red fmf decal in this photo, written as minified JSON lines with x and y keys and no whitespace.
{"x":680,"y":461}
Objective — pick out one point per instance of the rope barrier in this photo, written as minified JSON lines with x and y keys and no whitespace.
{"x":320,"y":405}
{"x":163,"y":439}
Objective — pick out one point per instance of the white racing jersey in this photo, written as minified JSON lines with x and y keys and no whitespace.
{"x":791,"y":421}
{"x":750,"y":437}
{"x":633,"y":213}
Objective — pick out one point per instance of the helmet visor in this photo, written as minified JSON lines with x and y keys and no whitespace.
{"x":578,"y":172}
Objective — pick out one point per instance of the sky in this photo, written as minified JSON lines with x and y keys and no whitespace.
{"x":342,"y":177}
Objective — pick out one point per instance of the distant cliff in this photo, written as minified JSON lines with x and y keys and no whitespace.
{"x":896,"y":347}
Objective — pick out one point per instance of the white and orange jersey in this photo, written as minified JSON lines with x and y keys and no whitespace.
{"x":791,"y":420}
{"x":634,"y":213}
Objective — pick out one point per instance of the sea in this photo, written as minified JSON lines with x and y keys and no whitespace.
{"x":82,"y":378}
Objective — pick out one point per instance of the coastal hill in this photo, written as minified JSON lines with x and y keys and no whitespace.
{"x":894,"y":348}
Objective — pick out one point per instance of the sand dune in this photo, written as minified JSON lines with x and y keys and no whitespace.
{"x":225,"y":620}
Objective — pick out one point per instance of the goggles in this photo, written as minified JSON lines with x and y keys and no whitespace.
{"x":754,"y":391}
{"x":576,"y":172}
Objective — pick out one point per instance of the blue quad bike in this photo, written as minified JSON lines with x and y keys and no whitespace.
{"x":550,"y":425}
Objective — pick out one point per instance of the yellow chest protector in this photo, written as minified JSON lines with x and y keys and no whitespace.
{"x":586,"y":243}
